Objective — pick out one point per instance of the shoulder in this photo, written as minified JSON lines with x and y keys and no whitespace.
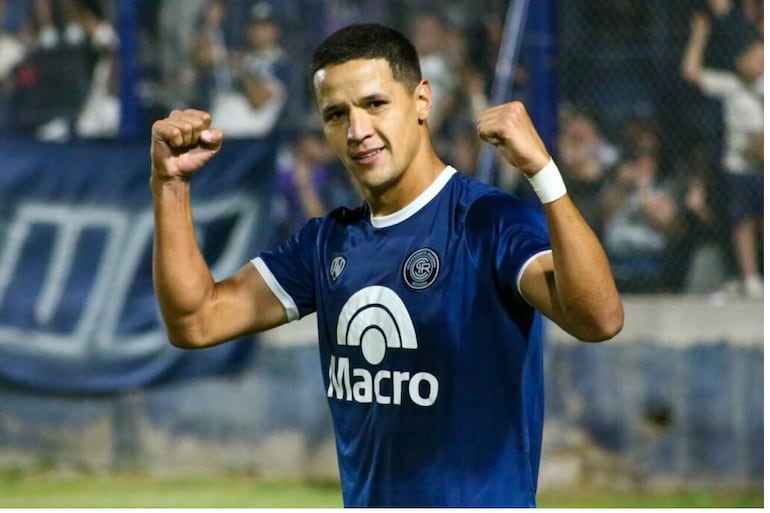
{"x":340,"y":216}
{"x":318,"y":228}
{"x":339,"y":220}
{"x":502,"y":232}
{"x":346,"y":216}
{"x":487,"y":205}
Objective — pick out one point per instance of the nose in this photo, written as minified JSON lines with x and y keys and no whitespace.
{"x":360,"y":126}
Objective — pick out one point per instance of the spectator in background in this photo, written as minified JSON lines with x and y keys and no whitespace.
{"x":268,"y":73}
{"x":639,"y":213}
{"x":41,"y":94}
{"x":429,"y":34}
{"x":12,"y":52}
{"x":47,"y":30}
{"x":458,"y":139}
{"x":741,"y":94}
{"x":341,"y":13}
{"x":731,"y":22}
{"x":260,"y":80}
{"x":703,"y":268}
{"x":730,"y":25}
{"x":210,"y":54}
{"x":485,"y":35}
{"x":66,"y":86}
{"x":309,"y":182}
{"x":99,"y":116}
{"x":178,"y":37}
{"x":585,"y":157}
{"x":754,"y":10}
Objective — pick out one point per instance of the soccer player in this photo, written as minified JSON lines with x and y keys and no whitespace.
{"x":426,"y":295}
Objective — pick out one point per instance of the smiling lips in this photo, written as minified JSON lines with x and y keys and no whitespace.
{"x":366,"y":156}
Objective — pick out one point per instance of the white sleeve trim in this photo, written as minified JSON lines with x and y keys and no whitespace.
{"x":286,"y":300}
{"x":523,"y":267}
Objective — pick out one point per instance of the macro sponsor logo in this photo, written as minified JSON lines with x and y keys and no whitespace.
{"x":376,"y":320}
{"x":68,"y":272}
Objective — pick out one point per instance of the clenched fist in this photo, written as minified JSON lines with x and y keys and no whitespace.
{"x":182,"y":143}
{"x":509,"y":128}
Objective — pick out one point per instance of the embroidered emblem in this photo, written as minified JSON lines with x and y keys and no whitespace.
{"x":421,"y":269}
{"x":337,"y":266}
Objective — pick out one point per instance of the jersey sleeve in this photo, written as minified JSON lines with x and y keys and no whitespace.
{"x":718,"y":83}
{"x":289,"y":270}
{"x":506,"y":234}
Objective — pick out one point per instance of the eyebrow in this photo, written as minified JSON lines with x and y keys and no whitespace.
{"x":331,"y":108}
{"x":373,"y":96}
{"x":365,"y":99}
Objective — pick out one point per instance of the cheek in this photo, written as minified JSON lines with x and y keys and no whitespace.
{"x":408,"y":135}
{"x":336,"y":140}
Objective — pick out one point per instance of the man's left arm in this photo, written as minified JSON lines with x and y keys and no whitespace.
{"x":573,"y":285}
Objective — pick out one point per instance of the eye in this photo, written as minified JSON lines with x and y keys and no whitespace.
{"x":377,"y":104}
{"x":333,"y":115}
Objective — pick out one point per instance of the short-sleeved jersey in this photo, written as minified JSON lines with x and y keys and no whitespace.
{"x":743,"y":114}
{"x":432,"y":360}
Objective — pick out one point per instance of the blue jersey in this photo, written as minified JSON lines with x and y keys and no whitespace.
{"x":432,"y":360}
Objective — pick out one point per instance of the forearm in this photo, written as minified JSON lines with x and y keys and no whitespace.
{"x":182,"y":279}
{"x":573,"y":285}
{"x":587,"y":300}
{"x":692,"y":60}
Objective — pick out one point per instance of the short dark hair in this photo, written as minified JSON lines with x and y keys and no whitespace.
{"x":369,"y":41}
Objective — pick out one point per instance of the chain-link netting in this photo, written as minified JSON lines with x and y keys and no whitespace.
{"x":664,"y":158}
{"x":660,"y":135}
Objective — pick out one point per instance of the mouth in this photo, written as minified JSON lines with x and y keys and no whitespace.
{"x":366,"y":157}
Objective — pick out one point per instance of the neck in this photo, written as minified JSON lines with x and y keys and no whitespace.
{"x":397,"y":195}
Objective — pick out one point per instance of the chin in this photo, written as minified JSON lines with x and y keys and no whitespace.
{"x":374,"y":178}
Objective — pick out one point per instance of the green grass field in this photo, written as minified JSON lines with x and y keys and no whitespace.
{"x":18,"y":490}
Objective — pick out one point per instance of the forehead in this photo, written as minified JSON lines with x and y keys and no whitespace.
{"x":353,"y":79}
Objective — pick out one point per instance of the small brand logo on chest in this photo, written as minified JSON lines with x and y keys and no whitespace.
{"x":337,"y":266}
{"x":421,"y":269}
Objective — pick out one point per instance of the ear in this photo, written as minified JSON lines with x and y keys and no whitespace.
{"x":423,"y":98}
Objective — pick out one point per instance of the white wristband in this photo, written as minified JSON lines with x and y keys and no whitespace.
{"x":548,"y":184}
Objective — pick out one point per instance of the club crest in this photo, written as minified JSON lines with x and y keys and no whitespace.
{"x":421,"y":269}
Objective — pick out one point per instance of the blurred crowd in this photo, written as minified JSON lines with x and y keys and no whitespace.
{"x":660,"y":125}
{"x":664,"y":154}
{"x":58,"y":69}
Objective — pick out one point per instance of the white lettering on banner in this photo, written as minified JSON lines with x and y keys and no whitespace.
{"x":127,"y":236}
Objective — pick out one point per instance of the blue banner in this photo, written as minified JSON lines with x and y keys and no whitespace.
{"x":78,"y":313}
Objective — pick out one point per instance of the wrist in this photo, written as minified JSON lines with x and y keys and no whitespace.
{"x":158,"y":183}
{"x":548,"y":183}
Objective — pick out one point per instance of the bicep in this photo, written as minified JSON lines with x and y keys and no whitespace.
{"x":538,"y":287}
{"x":243,"y":304}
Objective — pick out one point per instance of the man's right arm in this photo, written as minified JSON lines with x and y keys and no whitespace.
{"x":692,"y":58}
{"x":197,"y":310}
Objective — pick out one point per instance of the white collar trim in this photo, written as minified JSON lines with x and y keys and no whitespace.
{"x":417,"y":203}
